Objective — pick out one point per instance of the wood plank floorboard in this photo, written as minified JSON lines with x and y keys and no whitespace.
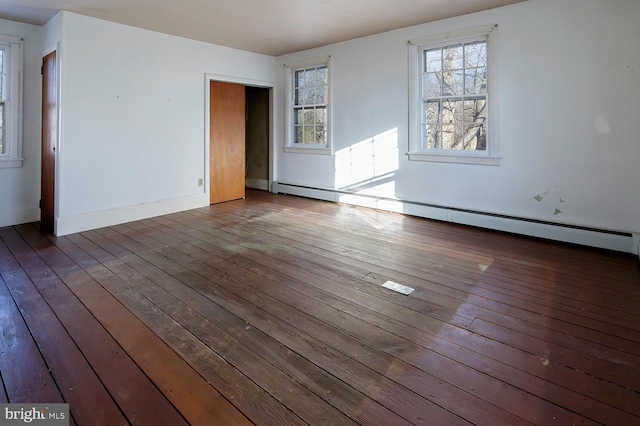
{"x":359,"y":298}
{"x":270,"y":306}
{"x":270,"y":311}
{"x":197,"y":282}
{"x":172,"y":375}
{"x":355,"y":300}
{"x":25,"y":377}
{"x":78,"y":383}
{"x":629,"y":334}
{"x":130,"y":388}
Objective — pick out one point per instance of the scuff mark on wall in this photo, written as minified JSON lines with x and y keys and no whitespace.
{"x":557,"y":212}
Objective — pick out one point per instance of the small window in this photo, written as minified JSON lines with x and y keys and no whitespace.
{"x":308,"y":115}
{"x":453,"y":110}
{"x":10,"y":101}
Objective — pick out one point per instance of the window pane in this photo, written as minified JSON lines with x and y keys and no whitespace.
{"x":302,"y":96}
{"x":475,"y":137}
{"x":433,"y":112}
{"x":307,"y":97}
{"x":320,"y":135}
{"x":452,"y":83}
{"x":2,"y":72}
{"x":296,"y":99}
{"x":432,"y":84}
{"x":2,"y":133}
{"x":475,"y":54}
{"x":451,"y":111}
{"x":299,"y":132}
{"x":308,"y":134}
{"x":433,"y":136}
{"x":453,"y":58}
{"x":475,"y":110}
{"x":321,"y":116}
{"x":307,"y":118}
{"x":320,"y":93}
{"x":451,"y":136}
{"x":320,"y":89}
{"x":322,"y":76}
{"x":311,"y":96}
{"x":433,"y":60}
{"x":305,"y":87}
{"x":476,"y":81}
{"x":298,"y":81}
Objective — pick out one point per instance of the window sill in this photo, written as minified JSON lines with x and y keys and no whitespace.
{"x":10,"y":162}
{"x":307,"y":150}
{"x":444,"y":157}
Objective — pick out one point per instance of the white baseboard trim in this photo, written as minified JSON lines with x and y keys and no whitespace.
{"x":83,"y":222}
{"x":19,"y":216}
{"x":606,"y":239}
{"x":262,"y":184}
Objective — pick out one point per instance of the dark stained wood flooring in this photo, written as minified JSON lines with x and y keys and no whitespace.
{"x":270,"y":311}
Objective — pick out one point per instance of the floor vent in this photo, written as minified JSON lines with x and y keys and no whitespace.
{"x":398,"y":288}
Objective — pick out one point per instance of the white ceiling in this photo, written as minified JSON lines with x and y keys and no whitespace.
{"x":272,"y":27}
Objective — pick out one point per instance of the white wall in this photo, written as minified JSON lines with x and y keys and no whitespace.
{"x":20,"y":186}
{"x":569,"y":99}
{"x":51,"y":33}
{"x":133,"y":120}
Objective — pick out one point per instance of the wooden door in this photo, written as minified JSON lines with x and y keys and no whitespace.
{"x":227,"y":142}
{"x":49,"y":141}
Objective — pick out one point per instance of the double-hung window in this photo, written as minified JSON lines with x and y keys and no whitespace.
{"x":10,"y":101}
{"x":308,"y":112}
{"x":453,"y":109}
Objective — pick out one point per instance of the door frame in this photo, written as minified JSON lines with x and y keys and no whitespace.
{"x":58,"y":144}
{"x":207,"y":120}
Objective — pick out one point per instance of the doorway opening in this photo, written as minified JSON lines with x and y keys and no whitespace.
{"x":240,"y":138}
{"x":49,"y":141}
{"x":257,"y":138}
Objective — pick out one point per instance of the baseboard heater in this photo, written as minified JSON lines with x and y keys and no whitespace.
{"x":601,"y":238}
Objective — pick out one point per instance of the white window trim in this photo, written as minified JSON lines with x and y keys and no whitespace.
{"x":289,"y":145}
{"x":13,"y":151}
{"x":416,"y":46}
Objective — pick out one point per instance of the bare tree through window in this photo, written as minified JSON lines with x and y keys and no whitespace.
{"x":311,"y":90}
{"x":454,"y":85}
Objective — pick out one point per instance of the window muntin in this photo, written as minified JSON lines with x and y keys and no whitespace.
{"x":454,"y":100}
{"x":10,"y":101}
{"x":311,"y":93}
{"x":453,"y":112}
{"x":308,"y":106}
{"x":4,"y":91}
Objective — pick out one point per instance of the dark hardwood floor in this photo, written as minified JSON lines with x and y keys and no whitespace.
{"x":270,"y":311}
